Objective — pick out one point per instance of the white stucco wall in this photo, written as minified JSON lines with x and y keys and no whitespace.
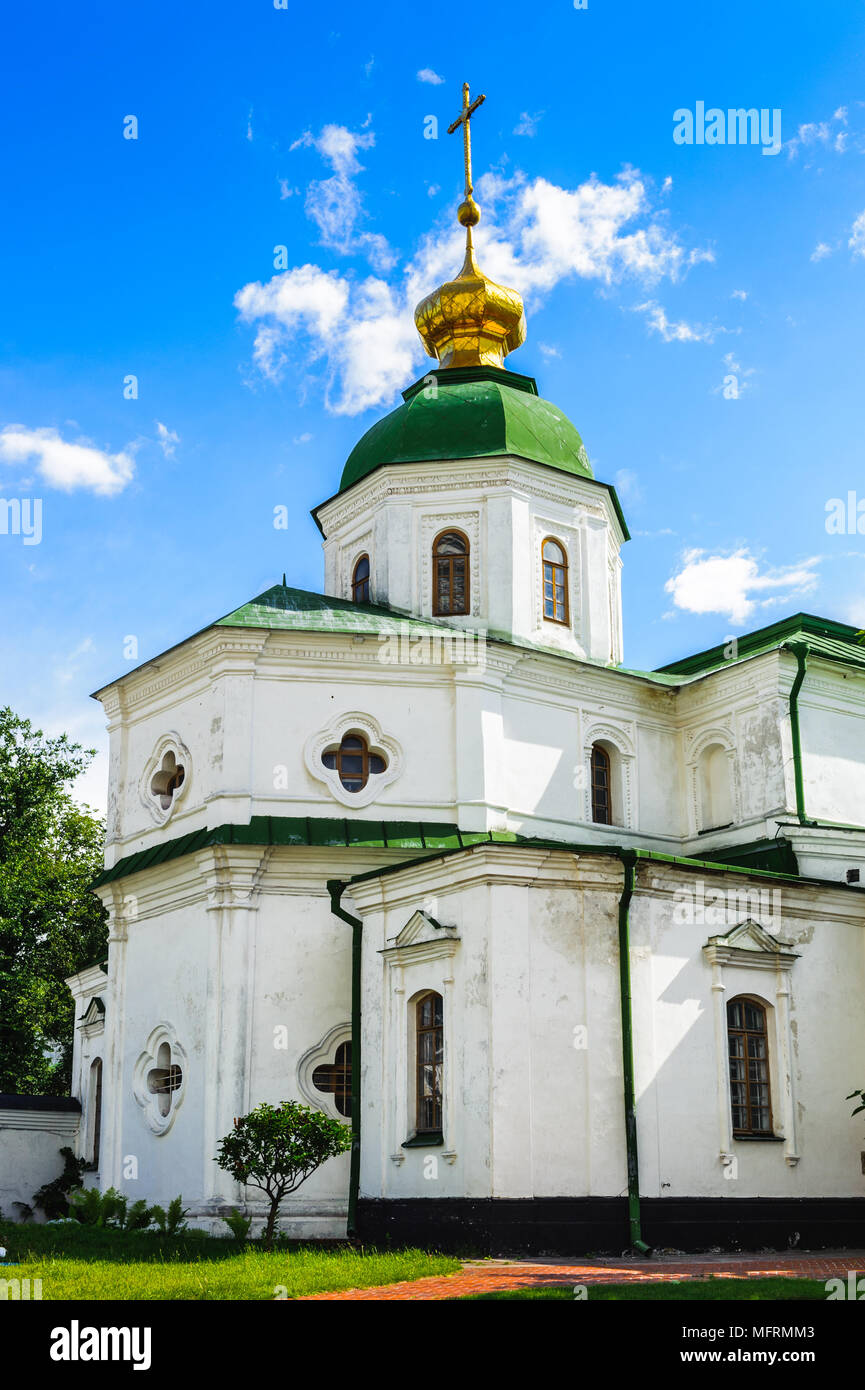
{"x":534,"y":957}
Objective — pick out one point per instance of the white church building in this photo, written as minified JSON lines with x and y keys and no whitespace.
{"x":577,"y":951}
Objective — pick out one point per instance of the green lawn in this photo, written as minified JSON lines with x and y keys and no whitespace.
{"x":79,"y":1262}
{"x":687,"y":1291}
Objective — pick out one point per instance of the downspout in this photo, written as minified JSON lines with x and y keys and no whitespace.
{"x":336,"y":889}
{"x":801,"y":651}
{"x":629,"y":864}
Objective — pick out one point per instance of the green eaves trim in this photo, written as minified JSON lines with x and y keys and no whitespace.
{"x":616,"y":852}
{"x":307,"y":830}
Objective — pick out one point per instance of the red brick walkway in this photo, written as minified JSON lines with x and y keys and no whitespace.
{"x":493,"y":1276}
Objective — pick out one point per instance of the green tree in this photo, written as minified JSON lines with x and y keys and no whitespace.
{"x":51,"y":925}
{"x":277,"y":1147}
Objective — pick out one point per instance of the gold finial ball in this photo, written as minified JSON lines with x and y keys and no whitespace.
{"x":468,"y":213}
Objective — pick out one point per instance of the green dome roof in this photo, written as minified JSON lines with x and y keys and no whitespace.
{"x":477,"y":412}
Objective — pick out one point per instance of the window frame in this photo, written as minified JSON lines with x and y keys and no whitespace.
{"x":339,"y":1079}
{"x":363,"y":583}
{"x":363,"y":753}
{"x":598,"y":748}
{"x":744,"y":1032}
{"x":439,"y":612}
{"x":564,"y":567}
{"x":95,"y":1125}
{"x":429,"y":1132}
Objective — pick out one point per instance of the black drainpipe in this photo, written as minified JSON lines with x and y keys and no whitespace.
{"x":336,"y":889}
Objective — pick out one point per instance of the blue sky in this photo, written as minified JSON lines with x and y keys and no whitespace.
{"x":652,"y":271}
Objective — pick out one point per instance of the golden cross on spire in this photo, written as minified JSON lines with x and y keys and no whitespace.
{"x":463,"y":120}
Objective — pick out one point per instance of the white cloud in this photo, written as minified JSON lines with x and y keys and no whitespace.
{"x":67,"y":465}
{"x":302,"y":438}
{"x":815,"y":133}
{"x":304,"y":298}
{"x":733,"y":368}
{"x":674,"y":331}
{"x":548,"y":350}
{"x":427,"y":75}
{"x":433,"y":189}
{"x":734,"y":584}
{"x":528,"y":125}
{"x":739,"y":294}
{"x":534,"y":236}
{"x":821,"y":251}
{"x":628,"y":487}
{"x":336,"y":204}
{"x":857,"y":236}
{"x":68,"y":668}
{"x":249,"y":125}
{"x":287,"y":190}
{"x":166,"y":439}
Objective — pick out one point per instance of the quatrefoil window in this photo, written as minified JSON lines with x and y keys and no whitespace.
{"x":334,"y":1079}
{"x":354,"y":762}
{"x":159,"y":1079}
{"x":164,"y":1079}
{"x":167,"y":780}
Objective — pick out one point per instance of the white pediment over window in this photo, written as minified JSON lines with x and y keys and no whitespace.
{"x":422,"y":938}
{"x":750,"y":944}
{"x":92,"y":1021}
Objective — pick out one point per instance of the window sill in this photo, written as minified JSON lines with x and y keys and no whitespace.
{"x":428,"y":1140}
{"x":758,"y":1139}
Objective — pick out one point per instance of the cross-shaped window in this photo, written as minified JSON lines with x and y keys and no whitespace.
{"x":335,"y":1079}
{"x":167,"y":780}
{"x":164,"y":1079}
{"x":354,"y":762}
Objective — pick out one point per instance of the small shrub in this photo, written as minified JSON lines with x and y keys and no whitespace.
{"x":276,"y":1148}
{"x":170,"y":1222}
{"x":53,"y":1197}
{"x":238,"y":1224}
{"x":86,"y":1206}
{"x":137,"y":1217}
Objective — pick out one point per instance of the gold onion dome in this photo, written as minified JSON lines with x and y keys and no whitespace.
{"x":470,"y":321}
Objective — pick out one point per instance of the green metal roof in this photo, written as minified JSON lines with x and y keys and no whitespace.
{"x":300,"y":611}
{"x":775,"y":858}
{"x":826,"y":638}
{"x":475,"y":412}
{"x":308,"y":830}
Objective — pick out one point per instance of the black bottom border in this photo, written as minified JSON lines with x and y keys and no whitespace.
{"x":599,"y":1225}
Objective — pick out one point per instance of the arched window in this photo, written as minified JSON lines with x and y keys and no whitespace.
{"x":749,"y":1066}
{"x":602,"y":786}
{"x":429,"y":1034}
{"x":360,"y":581}
{"x":354,"y":762}
{"x":451,"y":574}
{"x":555,"y":559}
{"x":96,"y":1109}
{"x":716,"y":799}
{"x":335,"y":1079}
